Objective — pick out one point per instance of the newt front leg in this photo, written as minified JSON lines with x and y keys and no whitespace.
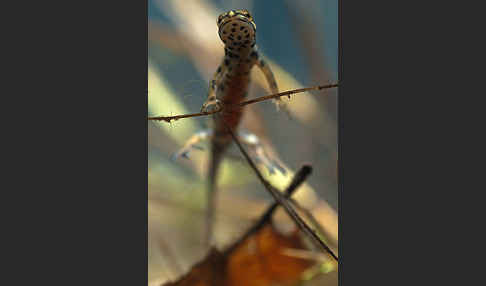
{"x":272,"y":83}
{"x":212,"y":102}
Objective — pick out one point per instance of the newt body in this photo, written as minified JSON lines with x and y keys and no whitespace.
{"x":229,"y":86}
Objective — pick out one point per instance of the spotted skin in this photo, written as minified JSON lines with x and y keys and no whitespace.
{"x":229,"y":86}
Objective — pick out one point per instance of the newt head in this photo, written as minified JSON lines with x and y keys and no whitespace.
{"x":237,"y":29}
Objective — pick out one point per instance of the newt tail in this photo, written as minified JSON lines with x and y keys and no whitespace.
{"x":217,"y":153}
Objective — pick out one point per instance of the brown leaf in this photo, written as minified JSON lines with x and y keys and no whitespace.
{"x":258,"y":260}
{"x":205,"y":273}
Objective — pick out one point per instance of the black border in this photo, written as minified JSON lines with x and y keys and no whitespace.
{"x":76,"y":182}
{"x":397,"y":211}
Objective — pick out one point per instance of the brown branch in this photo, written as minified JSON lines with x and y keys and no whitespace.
{"x":168,"y":119}
{"x":288,"y":93}
{"x":302,"y":225}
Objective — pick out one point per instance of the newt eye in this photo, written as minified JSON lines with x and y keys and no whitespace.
{"x":245,"y":13}
{"x":220,"y":18}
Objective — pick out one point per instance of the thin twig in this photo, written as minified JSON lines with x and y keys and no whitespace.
{"x":281,"y":200}
{"x":310,"y":216}
{"x":287,"y":93}
{"x":298,"y":179}
{"x":168,"y":119}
